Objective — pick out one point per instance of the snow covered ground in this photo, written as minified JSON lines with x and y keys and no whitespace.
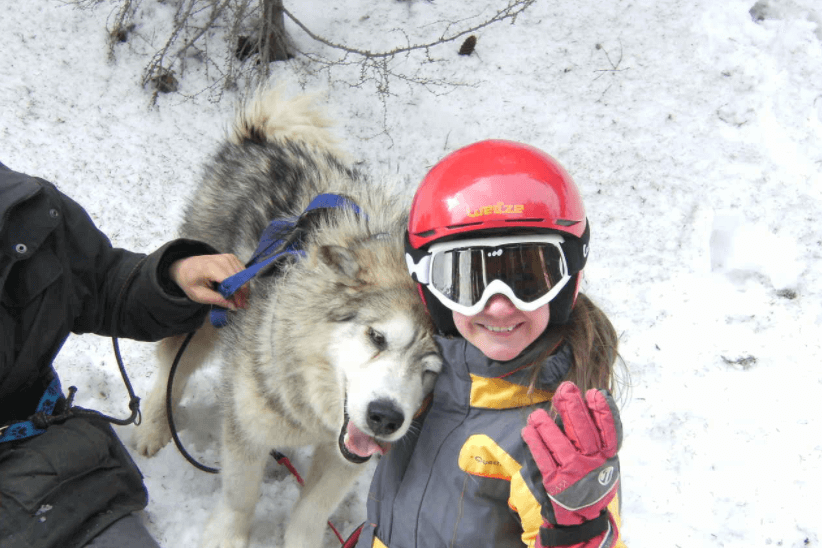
{"x":693,"y":131}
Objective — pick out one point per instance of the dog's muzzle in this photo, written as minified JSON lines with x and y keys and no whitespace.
{"x":357,"y":446}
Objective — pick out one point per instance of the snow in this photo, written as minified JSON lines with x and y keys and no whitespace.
{"x":693,"y":131}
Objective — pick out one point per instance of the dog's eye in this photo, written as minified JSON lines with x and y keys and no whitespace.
{"x":377,"y":338}
{"x":347,"y":317}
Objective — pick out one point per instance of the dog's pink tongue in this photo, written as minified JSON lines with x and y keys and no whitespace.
{"x":359,"y":443}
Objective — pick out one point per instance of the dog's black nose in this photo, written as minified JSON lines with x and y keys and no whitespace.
{"x":384,"y":417}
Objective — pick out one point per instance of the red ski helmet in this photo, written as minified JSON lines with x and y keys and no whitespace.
{"x":493,"y":188}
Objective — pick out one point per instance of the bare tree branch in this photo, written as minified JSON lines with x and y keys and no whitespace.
{"x":511,"y":11}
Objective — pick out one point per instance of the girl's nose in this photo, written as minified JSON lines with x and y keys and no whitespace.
{"x":499,"y":304}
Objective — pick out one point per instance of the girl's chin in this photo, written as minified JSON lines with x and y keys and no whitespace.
{"x":501,"y":356}
{"x":501,"y":352}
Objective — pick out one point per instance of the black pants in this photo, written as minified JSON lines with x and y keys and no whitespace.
{"x":63,"y":488}
{"x":127,"y":532}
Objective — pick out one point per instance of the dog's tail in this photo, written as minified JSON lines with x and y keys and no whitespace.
{"x":270,"y":117}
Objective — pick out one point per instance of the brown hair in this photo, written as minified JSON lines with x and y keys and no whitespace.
{"x":593,"y":342}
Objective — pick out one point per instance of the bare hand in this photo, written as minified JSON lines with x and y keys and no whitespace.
{"x":197,"y":277}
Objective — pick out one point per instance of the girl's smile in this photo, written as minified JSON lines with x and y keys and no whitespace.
{"x":502,"y":331}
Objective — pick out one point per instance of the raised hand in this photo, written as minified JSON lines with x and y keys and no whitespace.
{"x":579,"y":466}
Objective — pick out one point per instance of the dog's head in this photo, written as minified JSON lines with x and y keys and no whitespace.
{"x":382,"y":347}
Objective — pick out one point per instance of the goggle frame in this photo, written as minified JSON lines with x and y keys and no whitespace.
{"x":422,"y":270}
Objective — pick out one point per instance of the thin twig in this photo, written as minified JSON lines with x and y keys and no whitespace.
{"x":218,"y":9}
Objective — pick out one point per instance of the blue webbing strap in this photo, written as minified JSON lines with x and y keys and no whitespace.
{"x":26,"y":429}
{"x":271,"y":240}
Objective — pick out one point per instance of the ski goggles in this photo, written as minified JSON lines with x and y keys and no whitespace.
{"x":464,"y":274}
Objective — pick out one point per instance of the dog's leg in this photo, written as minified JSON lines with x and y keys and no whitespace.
{"x":327,"y":482}
{"x":153,"y":433}
{"x":242,"y":475}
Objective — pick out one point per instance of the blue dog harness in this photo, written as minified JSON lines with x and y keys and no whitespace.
{"x":270,"y":249}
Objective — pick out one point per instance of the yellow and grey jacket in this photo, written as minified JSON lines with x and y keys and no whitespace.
{"x":461,"y":480}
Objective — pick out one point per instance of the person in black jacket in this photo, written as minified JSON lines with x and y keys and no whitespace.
{"x":65,"y":478}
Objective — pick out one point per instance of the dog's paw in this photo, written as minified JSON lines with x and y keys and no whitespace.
{"x":300,"y":533}
{"x":150,"y":437}
{"x":221,"y":541}
{"x":226,"y":529}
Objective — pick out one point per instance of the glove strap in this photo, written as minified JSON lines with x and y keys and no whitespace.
{"x":574,"y":534}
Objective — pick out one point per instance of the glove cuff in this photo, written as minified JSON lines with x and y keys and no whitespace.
{"x":558,"y":535}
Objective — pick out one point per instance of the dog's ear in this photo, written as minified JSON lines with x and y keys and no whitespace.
{"x":341,"y":260}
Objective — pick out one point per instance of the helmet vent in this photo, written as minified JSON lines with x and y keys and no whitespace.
{"x":425,"y":234}
{"x":566,"y":222}
{"x":534,"y":220}
{"x":451,"y":227}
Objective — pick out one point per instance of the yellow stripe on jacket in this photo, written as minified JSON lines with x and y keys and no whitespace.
{"x":489,"y":393}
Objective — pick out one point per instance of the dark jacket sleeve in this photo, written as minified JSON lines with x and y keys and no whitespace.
{"x":125,"y":294}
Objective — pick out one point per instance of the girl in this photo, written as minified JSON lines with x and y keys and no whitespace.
{"x":497,"y":240}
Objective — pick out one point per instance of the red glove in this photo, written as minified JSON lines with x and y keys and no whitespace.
{"x":579,"y":467}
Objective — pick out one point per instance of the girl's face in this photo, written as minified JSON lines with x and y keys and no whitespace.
{"x":501,"y":331}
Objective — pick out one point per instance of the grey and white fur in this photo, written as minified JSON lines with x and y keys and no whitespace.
{"x":334,"y":351}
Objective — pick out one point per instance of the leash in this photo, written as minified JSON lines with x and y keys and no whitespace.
{"x":283,"y":460}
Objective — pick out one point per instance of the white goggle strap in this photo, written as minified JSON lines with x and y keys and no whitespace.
{"x":420,"y":271}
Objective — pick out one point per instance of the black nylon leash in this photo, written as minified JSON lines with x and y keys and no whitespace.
{"x":133,"y":401}
{"x":170,"y":412}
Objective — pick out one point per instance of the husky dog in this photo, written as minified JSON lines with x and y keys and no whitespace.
{"x":335,"y":349}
